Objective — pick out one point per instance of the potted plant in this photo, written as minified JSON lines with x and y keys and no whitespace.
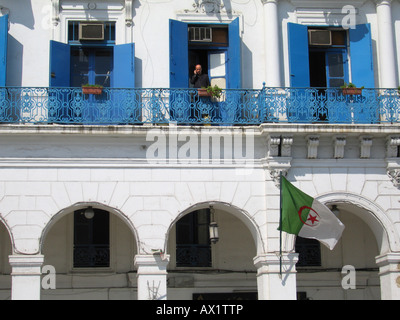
{"x":214,"y":91}
{"x":351,"y":89}
{"x":210,"y":91}
{"x":203,"y":92}
{"x":92,"y":89}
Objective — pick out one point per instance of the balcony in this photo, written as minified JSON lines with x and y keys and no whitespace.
{"x":23,"y":105}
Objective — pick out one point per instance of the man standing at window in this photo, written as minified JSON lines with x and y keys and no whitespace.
{"x":199,"y":80}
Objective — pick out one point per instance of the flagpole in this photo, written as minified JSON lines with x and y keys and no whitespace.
{"x":280,"y":224}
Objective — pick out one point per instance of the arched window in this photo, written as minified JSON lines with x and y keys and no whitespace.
{"x":193,"y":248}
{"x":91,"y":239}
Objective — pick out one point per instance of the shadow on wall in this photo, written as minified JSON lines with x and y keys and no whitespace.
{"x":20,"y":12}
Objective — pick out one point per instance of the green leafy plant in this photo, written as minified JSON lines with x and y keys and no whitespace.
{"x":92,"y":86}
{"x":214,"y":91}
{"x":92,"y":89}
{"x":350,"y":85}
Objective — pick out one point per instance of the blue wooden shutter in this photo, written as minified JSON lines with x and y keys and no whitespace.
{"x":362,"y":67}
{"x":3,"y":49}
{"x":299,"y":64}
{"x":124,"y":66}
{"x":179,"y":54}
{"x":60,"y":62}
{"x":234,"y":56}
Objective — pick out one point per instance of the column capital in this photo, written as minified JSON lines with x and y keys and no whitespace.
{"x":270,"y":262}
{"x":152,"y":276}
{"x":389,"y":272}
{"x":383,"y":2}
{"x":26,"y":263}
{"x":152,"y":263}
{"x":389,"y":262}
{"x":26,"y":274}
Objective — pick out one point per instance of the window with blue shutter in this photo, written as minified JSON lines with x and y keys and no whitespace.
{"x":362,"y":70}
{"x":124,"y":66}
{"x":234,"y":56}
{"x":3,"y":49}
{"x":298,"y":56}
{"x":178,"y":54}
{"x":60,"y":62}
{"x":362,"y":63}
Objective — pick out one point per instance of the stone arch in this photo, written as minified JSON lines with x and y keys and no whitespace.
{"x":82,"y":205}
{"x":9,"y":232}
{"x":242,"y":215}
{"x":369,"y":212}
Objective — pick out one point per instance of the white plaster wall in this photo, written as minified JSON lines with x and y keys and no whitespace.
{"x":28,"y":43}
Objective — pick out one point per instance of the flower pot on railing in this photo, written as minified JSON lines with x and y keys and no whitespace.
{"x":210,"y":91}
{"x":351,"y":89}
{"x":92,"y":90}
{"x":203,"y":92}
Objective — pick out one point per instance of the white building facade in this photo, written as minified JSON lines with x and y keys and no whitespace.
{"x":111,"y":196}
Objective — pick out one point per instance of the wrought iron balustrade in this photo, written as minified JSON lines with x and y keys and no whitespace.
{"x":185,"y":106}
{"x":193,"y":255}
{"x":86,"y":256}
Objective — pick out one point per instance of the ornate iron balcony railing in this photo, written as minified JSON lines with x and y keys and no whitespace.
{"x":187,"y":106}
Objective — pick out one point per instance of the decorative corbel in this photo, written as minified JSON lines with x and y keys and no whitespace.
{"x":280,"y":146}
{"x":286,"y":145}
{"x":394,"y":175}
{"x":276,"y":175}
{"x":339,"y":144}
{"x":128,"y":13}
{"x":393,"y":143}
{"x":55,"y":12}
{"x":274,"y":143}
{"x":313,"y":143}
{"x":366,"y":143}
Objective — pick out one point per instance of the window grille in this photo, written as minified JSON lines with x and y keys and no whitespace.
{"x":309,"y":252}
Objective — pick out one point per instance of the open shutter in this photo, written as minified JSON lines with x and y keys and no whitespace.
{"x":179,"y":54}
{"x":362,"y":68}
{"x":124,"y":66}
{"x":234,"y":56}
{"x":60,"y":61}
{"x":3,"y":49}
{"x":298,"y":56}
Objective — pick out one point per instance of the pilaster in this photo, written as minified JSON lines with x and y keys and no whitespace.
{"x":26,"y":276}
{"x":271,"y":284}
{"x":389,"y":271}
{"x":152,"y":276}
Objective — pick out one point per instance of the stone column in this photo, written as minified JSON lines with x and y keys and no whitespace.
{"x":271,"y":38}
{"x":387,"y":60}
{"x":152,"y":276}
{"x":270,"y":283}
{"x":389,"y":271}
{"x":26,"y":276}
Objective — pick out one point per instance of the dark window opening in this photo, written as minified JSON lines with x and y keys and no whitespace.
{"x":309,"y":252}
{"x":193,"y":248}
{"x":327,"y":57}
{"x":91,"y":239}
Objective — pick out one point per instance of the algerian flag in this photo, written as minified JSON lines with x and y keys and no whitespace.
{"x":304,"y":216}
